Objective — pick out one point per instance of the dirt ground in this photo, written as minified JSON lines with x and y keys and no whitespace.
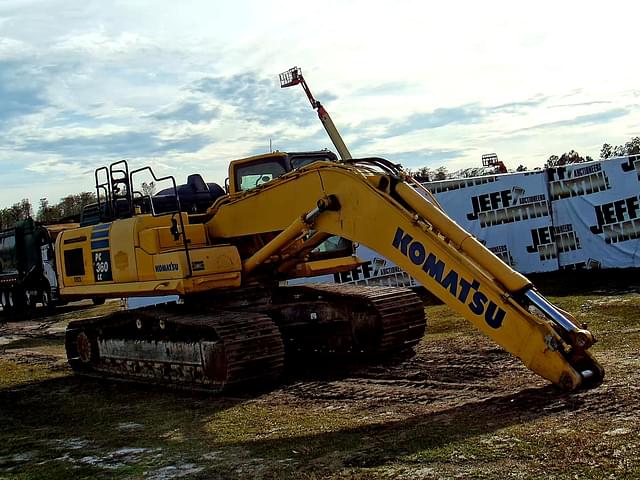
{"x":460,"y":408}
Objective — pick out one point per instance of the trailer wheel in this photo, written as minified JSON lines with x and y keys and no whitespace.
{"x":47,"y":303}
{"x":29,"y":303}
{"x":5,"y":301}
{"x":98,"y":301}
{"x":10,"y":299}
{"x":18,"y":301}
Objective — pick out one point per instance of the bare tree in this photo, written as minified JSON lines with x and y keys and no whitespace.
{"x":148,"y":189}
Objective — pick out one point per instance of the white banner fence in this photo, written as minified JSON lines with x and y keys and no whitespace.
{"x":580,"y":216}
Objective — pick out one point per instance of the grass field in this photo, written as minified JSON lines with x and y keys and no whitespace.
{"x":460,"y":408}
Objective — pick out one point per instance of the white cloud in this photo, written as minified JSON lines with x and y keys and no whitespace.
{"x":98,"y":44}
{"x":96,"y":82}
{"x":11,"y":49}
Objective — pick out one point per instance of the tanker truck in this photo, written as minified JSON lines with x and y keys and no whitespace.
{"x":27,"y":267}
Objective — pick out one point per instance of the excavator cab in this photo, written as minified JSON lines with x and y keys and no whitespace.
{"x":252,"y":172}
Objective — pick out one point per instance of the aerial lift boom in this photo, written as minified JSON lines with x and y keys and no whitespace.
{"x":292,"y":77}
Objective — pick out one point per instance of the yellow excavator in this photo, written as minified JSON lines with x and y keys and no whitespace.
{"x":226,"y":253}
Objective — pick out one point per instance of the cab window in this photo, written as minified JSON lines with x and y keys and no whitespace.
{"x":299,"y":162}
{"x":257,"y":173}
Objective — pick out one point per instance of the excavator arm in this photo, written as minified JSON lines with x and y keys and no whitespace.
{"x":372,"y":202}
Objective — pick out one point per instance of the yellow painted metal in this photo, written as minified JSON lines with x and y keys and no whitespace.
{"x":268,"y":208}
{"x":157,"y":239}
{"x":322,"y":267}
{"x":146,"y":259}
{"x":176,"y":286}
{"x":334,"y":135}
{"x":283,"y":239}
{"x":123,"y":240}
{"x":463,"y":240}
{"x":73,"y":240}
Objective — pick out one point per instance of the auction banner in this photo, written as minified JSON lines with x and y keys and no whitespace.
{"x":598,"y":204}
{"x":510,"y":214}
{"x":584,"y":215}
{"x":374,"y":271}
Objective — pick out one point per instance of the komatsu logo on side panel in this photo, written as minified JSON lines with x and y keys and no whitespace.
{"x":458,"y":287}
{"x":167,"y":267}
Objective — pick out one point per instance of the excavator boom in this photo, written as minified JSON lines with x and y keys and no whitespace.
{"x":390,"y":214}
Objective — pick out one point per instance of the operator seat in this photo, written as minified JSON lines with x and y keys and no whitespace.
{"x":196,"y":196}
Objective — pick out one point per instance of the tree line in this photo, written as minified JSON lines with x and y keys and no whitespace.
{"x":632,"y":147}
{"x":69,"y":207}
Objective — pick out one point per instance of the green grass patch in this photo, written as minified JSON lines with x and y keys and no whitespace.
{"x":253,"y":421}
{"x":442,"y":321}
{"x":39,"y":343}
{"x":56,"y":425}
{"x":14,"y":375}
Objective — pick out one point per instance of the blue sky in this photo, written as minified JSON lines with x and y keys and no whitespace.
{"x":188,"y":86}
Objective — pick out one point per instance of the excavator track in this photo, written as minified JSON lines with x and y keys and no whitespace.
{"x":348,"y":320}
{"x":239,"y":339}
{"x":209,"y":350}
{"x":333,"y":319}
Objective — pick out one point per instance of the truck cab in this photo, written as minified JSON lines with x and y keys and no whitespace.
{"x":27,"y":266}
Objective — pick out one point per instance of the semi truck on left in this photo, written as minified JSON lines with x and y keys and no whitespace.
{"x":27,"y":267}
